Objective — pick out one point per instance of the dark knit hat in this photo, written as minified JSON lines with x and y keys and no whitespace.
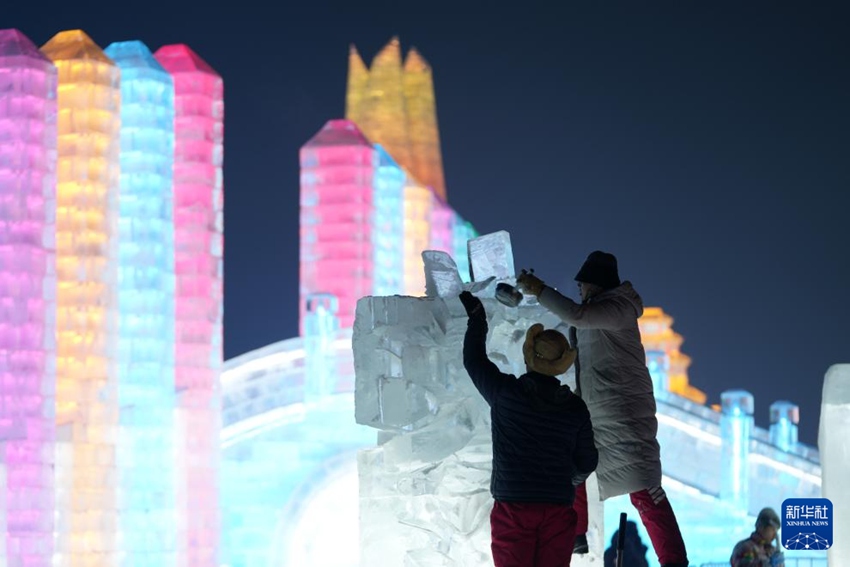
{"x":547,"y":351}
{"x":600,"y":269}
{"x":768,"y":517}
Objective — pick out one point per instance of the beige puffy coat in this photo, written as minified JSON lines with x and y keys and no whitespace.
{"x":614,"y":382}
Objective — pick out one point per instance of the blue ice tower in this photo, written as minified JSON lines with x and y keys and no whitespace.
{"x":388,"y":228}
{"x":736,"y":426}
{"x":146,"y":309}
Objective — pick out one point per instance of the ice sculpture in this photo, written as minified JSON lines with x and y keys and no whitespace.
{"x":425,"y":489}
{"x":199,"y":247}
{"x":834,"y":446}
{"x":491,"y":255}
{"x":86,"y":301}
{"x":146,"y":306}
{"x":28,"y":298}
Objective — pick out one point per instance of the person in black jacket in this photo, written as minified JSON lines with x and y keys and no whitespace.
{"x":542,"y":444}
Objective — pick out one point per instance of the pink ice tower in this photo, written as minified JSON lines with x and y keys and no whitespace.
{"x":27,"y":297}
{"x":338,"y":166}
{"x":198,"y":256}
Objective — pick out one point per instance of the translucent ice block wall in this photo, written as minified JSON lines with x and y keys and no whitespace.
{"x":198,"y":236}
{"x":146,"y":307}
{"x":336,"y":222}
{"x":86,"y":302}
{"x":834,"y":445}
{"x":388,"y":225}
{"x":27,"y":299}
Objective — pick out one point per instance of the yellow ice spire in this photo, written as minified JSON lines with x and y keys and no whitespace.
{"x":426,"y":157}
{"x":394,"y":105}
{"x":384,"y":118}
{"x":358,"y":82}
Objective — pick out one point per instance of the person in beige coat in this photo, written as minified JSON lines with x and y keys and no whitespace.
{"x":613,"y":380}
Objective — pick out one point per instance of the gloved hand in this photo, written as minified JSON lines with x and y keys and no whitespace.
{"x":471,"y":303}
{"x":530,"y":283}
{"x":777,"y":559}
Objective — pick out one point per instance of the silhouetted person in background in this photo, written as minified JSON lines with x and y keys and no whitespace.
{"x":542,"y":444}
{"x":612,"y":378}
{"x":759,"y":550}
{"x":634,"y":550}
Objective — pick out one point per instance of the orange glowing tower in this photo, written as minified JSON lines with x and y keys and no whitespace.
{"x":87,"y":188}
{"x":393,"y":104}
{"x":662,"y":345}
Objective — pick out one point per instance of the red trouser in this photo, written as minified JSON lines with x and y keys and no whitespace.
{"x":657,"y":517}
{"x":532,"y":535}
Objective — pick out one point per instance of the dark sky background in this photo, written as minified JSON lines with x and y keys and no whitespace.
{"x":705,"y":144}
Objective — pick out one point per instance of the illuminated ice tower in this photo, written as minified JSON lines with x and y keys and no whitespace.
{"x":198,"y":238}
{"x":27,"y":297}
{"x":146,"y":307}
{"x":393,"y":105}
{"x":86,"y":300}
{"x":372,"y":189}
{"x":337,"y":256}
{"x":668,"y":366}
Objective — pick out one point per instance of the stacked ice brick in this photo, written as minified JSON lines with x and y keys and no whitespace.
{"x":27,"y":300}
{"x":198,"y":252}
{"x":365,"y":221}
{"x":87,"y":304}
{"x":425,"y":489}
{"x":145,"y":451}
{"x":87,"y":333}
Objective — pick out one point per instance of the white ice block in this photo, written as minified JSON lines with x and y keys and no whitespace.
{"x":834,"y":446}
{"x":441,"y":275}
{"x":491,"y":255}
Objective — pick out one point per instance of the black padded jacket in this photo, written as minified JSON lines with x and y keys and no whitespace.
{"x":542,"y":435}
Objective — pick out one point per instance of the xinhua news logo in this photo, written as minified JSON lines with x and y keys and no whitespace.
{"x":807,"y":524}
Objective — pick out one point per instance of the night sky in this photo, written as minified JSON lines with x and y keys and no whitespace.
{"x":705,"y":144}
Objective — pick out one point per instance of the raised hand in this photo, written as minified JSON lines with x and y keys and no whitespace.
{"x":471,"y":303}
{"x":529,"y":283}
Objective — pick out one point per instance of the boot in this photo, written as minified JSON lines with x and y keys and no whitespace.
{"x":580,"y":545}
